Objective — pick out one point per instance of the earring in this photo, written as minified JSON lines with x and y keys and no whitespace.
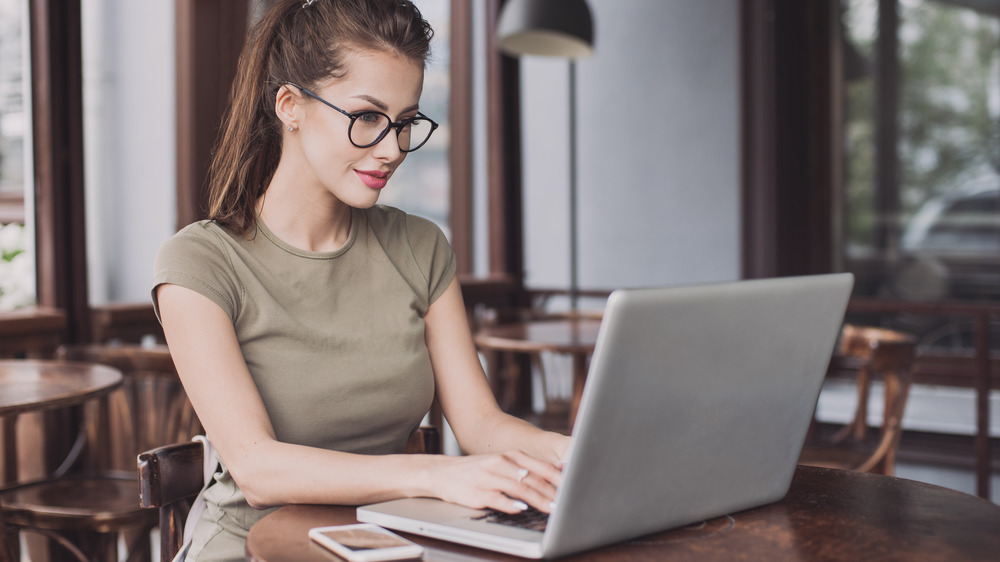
{"x":291,"y":128}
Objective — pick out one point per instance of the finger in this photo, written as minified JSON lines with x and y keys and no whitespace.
{"x":538,"y":467}
{"x":532,"y":489}
{"x":525,"y":477}
{"x":538,"y":492}
{"x":505,"y":503}
{"x":539,"y":484}
{"x":522,"y":474}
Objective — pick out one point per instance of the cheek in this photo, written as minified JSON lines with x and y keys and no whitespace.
{"x":325,"y":152}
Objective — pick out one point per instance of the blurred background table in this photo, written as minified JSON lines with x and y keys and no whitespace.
{"x":28,"y":385}
{"x":572,"y":335}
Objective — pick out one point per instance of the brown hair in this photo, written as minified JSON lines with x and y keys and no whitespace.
{"x":304,"y":43}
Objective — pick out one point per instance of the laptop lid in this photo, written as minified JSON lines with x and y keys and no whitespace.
{"x":696,"y":405}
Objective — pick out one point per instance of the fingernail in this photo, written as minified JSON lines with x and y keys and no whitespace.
{"x":519,"y":505}
{"x":552,"y":505}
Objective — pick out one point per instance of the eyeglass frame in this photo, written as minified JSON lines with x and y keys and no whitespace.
{"x":381,"y":136}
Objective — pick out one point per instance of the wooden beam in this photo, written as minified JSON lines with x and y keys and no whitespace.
{"x":57,"y":125}
{"x":210,"y":36}
{"x":506,"y":231}
{"x":460,"y":150}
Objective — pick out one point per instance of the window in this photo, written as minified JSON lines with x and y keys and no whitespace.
{"x":17,"y":276}
{"x":922,"y":171}
{"x":422,"y":187}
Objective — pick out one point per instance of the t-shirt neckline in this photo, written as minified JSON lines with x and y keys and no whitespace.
{"x":351,"y":237}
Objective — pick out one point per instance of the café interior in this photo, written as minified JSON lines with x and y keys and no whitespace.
{"x":683,"y":143}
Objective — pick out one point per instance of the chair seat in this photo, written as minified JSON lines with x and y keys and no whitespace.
{"x":103,"y":503}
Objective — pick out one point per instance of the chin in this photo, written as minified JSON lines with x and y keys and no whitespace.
{"x":364,"y":202}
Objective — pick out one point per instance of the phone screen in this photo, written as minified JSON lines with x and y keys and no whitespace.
{"x":364,"y":539}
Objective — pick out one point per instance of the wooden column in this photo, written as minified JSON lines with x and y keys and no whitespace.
{"x":210,"y":36}
{"x":506,"y":230}
{"x":788,"y":155}
{"x":460,"y":150}
{"x":57,"y":125}
{"x":758,"y":140}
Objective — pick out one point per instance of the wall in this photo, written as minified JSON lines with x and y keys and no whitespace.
{"x":658,"y":149}
{"x":129,"y":100}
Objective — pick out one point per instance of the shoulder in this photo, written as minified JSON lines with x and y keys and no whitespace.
{"x":417,"y":246}
{"x":198,"y":237}
{"x":200,"y":257}
{"x":385,"y":220}
{"x":196,"y":243}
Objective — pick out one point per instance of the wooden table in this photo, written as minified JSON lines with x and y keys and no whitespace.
{"x":32,"y":385}
{"x":575,"y":336}
{"x":828,"y":514}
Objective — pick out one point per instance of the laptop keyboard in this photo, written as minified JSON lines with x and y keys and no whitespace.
{"x":530,"y":518}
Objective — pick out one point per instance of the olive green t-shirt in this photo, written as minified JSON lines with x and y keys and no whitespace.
{"x":334,"y":341}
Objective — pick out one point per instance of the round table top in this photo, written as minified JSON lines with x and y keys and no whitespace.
{"x":27,"y":384}
{"x":561,"y":335}
{"x":828,"y":514}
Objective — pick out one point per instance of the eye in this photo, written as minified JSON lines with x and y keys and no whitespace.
{"x":372,"y":119}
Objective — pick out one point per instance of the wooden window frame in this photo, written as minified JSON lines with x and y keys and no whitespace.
{"x":57,"y":124}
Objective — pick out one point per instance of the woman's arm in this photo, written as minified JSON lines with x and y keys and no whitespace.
{"x":466,"y":398}
{"x":216,"y":379}
{"x":207,"y":355}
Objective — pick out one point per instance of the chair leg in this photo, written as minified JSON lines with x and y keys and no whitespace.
{"x":8,"y":544}
{"x":56,"y":549}
{"x":138,"y":542}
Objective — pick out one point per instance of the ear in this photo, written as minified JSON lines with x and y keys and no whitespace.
{"x":286,"y":106}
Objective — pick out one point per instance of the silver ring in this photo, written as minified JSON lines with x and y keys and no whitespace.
{"x":522,"y":474}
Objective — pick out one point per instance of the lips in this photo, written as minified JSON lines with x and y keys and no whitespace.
{"x":373,"y":178}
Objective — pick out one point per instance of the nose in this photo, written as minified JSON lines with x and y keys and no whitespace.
{"x":387,"y":149}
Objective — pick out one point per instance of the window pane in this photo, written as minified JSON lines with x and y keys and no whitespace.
{"x":13,"y":109}
{"x":421,"y":184}
{"x":17,"y":268}
{"x":934,"y":232}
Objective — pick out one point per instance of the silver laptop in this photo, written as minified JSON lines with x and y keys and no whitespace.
{"x":696,"y":405}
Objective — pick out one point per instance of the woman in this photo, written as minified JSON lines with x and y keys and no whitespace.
{"x":312,"y":328}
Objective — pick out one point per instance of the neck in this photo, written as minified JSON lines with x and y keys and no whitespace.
{"x":310,"y":220}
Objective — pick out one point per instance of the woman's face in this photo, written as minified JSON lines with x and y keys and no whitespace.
{"x":373,"y":80}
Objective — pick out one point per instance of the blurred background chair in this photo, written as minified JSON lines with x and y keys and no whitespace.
{"x":873,"y":353}
{"x":90,"y":502}
{"x":536,"y":358}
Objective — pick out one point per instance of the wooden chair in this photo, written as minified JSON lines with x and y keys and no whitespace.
{"x":872,"y":351}
{"x":90,"y":501}
{"x":172,"y":475}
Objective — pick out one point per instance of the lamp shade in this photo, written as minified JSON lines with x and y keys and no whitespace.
{"x":552,"y":28}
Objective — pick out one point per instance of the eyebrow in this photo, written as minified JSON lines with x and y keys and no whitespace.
{"x":382,"y":106}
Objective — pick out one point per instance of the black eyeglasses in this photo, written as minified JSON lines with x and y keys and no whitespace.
{"x":368,"y":128}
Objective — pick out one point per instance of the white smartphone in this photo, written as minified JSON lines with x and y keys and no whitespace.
{"x":365,"y":542}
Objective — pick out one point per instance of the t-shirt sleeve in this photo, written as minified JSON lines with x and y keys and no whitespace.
{"x":195,"y":258}
{"x":433,"y":254}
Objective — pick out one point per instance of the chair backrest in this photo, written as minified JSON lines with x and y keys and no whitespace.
{"x":149,"y":409}
{"x":125,"y":322}
{"x":171,"y":476}
{"x":169,"y":479}
{"x":886,"y":354}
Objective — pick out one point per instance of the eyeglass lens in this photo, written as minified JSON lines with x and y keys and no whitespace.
{"x":368,"y":128}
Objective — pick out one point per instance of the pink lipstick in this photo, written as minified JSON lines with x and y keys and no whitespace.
{"x":373,"y":178}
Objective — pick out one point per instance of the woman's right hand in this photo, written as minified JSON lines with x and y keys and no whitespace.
{"x":507,"y":482}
